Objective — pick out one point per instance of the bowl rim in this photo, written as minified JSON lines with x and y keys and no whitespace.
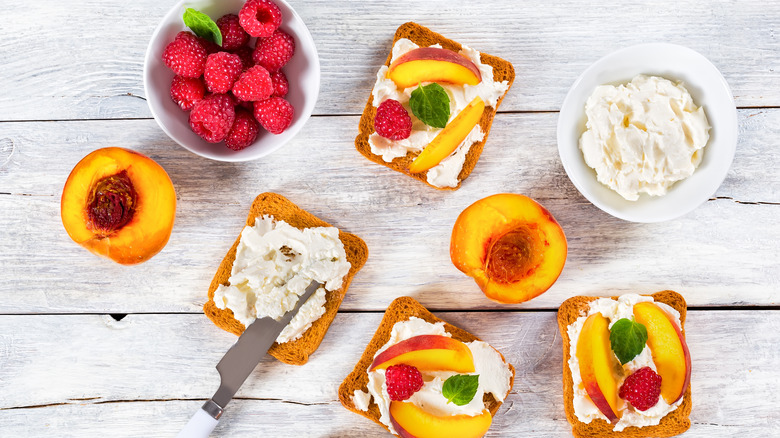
{"x":315,"y":59}
{"x":568,"y":112}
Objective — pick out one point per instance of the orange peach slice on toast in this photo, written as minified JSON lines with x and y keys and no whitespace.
{"x":596,"y":360}
{"x":428,"y":353}
{"x":448,"y":139}
{"x":512,"y":247}
{"x":119,"y":204}
{"x":670,"y":351}
{"x":431,"y":64}
{"x":410,"y":421}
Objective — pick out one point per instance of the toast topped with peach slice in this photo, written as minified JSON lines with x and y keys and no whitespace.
{"x":404,"y":381}
{"x":627,"y":368}
{"x":432,"y":106}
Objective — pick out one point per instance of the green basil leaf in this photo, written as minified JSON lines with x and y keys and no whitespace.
{"x":460,"y":388}
{"x":202,"y":25}
{"x":431,"y":104}
{"x":628,"y":339}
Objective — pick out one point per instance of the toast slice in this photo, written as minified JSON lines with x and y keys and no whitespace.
{"x":293,"y":352}
{"x":424,"y":37}
{"x":401,"y":309}
{"x":674,"y":423}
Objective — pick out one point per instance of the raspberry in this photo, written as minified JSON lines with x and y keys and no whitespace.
{"x":233,"y":35}
{"x":392,"y":121}
{"x":281,"y":86}
{"x":641,"y":389}
{"x":209,"y":46}
{"x":274,"y":114}
{"x":245,"y":53}
{"x":402,"y":381}
{"x":212,"y":117}
{"x":185,"y":55}
{"x":275,"y":51}
{"x":187,"y":91}
{"x":244,"y":131}
{"x":260,"y":18}
{"x":254,"y":84}
{"x":222,"y":71}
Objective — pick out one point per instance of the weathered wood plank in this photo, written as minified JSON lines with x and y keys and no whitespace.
{"x":84,"y":60}
{"x":723,"y":253}
{"x":150,"y":372}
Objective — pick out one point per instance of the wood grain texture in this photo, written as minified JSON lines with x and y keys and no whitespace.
{"x":84,"y":60}
{"x":146,"y":374}
{"x":723,"y":253}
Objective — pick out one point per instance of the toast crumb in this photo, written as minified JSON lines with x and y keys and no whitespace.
{"x":424,"y":37}
{"x":674,"y":423}
{"x":295,"y":352}
{"x":401,"y":309}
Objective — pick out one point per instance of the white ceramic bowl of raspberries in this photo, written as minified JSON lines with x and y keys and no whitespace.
{"x":241,"y":101}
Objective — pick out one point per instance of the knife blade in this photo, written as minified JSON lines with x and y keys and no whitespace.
{"x":237,"y":364}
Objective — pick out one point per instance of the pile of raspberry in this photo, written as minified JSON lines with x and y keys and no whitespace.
{"x":234,"y":89}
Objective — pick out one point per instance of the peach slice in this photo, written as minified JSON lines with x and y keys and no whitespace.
{"x":412,"y":422}
{"x":427,"y":353}
{"x":119,"y":204}
{"x":431,"y":64}
{"x":596,"y":360}
{"x":512,"y":247}
{"x":670,"y":351}
{"x":448,"y":139}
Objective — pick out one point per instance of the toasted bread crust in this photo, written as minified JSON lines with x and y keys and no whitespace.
{"x":424,"y":37}
{"x":294,"y":352}
{"x":674,"y":423}
{"x":401,"y":309}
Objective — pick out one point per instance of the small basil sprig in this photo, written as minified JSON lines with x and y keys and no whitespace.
{"x":431,"y":104}
{"x":460,"y":388}
{"x":202,"y":25}
{"x":628,"y":339}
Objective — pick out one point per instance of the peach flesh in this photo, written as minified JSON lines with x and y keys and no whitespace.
{"x":428,"y":353}
{"x":431,"y":64}
{"x":416,"y":423}
{"x":515,"y":255}
{"x":596,"y":361}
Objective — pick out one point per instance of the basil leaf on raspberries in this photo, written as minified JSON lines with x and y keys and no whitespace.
{"x":628,"y":339}
{"x":202,"y":25}
{"x":431,"y":104}
{"x":460,"y":388}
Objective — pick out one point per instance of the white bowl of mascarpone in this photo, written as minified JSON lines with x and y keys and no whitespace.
{"x":679,"y":191}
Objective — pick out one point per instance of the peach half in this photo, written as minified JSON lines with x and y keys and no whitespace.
{"x":448,"y":139}
{"x":512,"y":247}
{"x":119,"y":204}
{"x":670,"y":351}
{"x":431,"y":64}
{"x":410,"y":421}
{"x":594,"y":353}
{"x":427,"y":353}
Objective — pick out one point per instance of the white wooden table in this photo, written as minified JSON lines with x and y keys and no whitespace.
{"x":71,"y":83}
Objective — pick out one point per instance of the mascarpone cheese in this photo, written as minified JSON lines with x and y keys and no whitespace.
{"x":584,"y":408}
{"x":494,"y":376}
{"x":445,"y":174}
{"x":644,"y":136}
{"x":274,"y":264}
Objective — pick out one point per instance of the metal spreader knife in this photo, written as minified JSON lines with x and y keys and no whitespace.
{"x":237,"y":364}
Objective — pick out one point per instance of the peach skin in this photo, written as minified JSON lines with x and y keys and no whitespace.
{"x":670,"y":351}
{"x":428,"y":353}
{"x":431,"y":64}
{"x":512,"y":247}
{"x":119,"y":204}
{"x":448,"y":139}
{"x":596,"y":360}
{"x":412,"y":422}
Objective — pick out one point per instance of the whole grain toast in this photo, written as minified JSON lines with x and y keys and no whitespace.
{"x":674,"y":423}
{"x":293,"y":352}
{"x":401,"y":309}
{"x":424,"y":37}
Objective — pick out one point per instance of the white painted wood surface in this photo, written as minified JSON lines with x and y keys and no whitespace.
{"x":150,"y":372}
{"x":72,"y":83}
